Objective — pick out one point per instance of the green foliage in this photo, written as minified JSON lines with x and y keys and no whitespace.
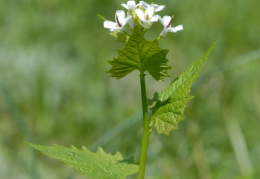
{"x":121,"y":37}
{"x":168,"y":111}
{"x":142,"y":55}
{"x":97,"y":165}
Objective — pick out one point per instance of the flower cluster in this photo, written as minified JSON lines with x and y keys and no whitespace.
{"x":143,"y":14}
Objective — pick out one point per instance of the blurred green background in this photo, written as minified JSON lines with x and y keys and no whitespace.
{"x":54,"y":89}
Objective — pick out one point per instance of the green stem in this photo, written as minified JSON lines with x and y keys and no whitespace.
{"x":146,"y":133}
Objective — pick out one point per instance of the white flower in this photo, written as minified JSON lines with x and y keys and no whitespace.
{"x":120,"y":21}
{"x":166,"y":22}
{"x":130,"y":5}
{"x":147,"y":16}
{"x":155,"y":6}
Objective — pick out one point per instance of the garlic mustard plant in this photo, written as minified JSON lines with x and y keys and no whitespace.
{"x":167,"y":109}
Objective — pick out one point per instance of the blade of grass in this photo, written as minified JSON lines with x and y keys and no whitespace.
{"x":21,"y":125}
{"x":229,"y":65}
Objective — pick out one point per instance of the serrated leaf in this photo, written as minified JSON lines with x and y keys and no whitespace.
{"x":99,"y":165}
{"x":142,"y":55}
{"x":169,"y":108}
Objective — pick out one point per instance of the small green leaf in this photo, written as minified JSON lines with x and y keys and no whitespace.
{"x":120,"y":36}
{"x":142,"y":55}
{"x":97,"y":165}
{"x":169,"y":108}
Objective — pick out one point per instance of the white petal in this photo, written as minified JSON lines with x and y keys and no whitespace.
{"x":158,"y":8}
{"x":161,"y":20}
{"x":115,"y":29}
{"x":175,"y":29}
{"x":140,"y":14}
{"x":109,"y":24}
{"x":179,"y":27}
{"x":125,"y":6}
{"x":166,"y":20}
{"x":150,"y":11}
{"x":126,"y":20}
{"x":154,"y":18}
{"x":144,"y":4}
{"x":131,"y":4}
{"x":120,"y":15}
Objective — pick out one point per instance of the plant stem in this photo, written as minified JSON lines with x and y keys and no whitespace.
{"x":146,"y":133}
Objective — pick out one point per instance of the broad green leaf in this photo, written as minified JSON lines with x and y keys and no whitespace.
{"x":142,"y":55}
{"x":97,"y":165}
{"x":168,"y":111}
